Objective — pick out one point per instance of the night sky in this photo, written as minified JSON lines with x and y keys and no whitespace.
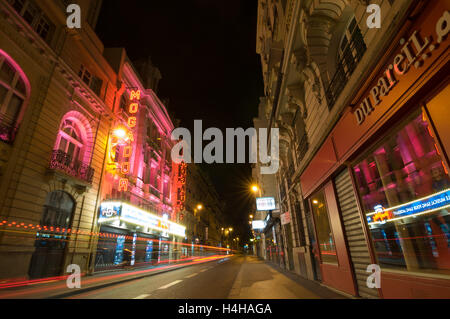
{"x":206,"y":52}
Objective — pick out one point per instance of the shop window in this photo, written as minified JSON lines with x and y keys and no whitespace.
{"x":34,"y":16}
{"x":12,"y":98}
{"x":404,"y":188}
{"x":325,"y":238}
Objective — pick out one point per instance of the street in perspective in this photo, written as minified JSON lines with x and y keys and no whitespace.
{"x":229,"y":150}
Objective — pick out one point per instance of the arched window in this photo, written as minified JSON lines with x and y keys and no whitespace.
{"x":48,"y":257}
{"x":73,"y":147}
{"x":70,"y":140}
{"x":13,"y":95}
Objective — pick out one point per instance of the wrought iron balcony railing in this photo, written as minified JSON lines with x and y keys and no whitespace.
{"x":64,"y":162}
{"x":345,"y":67}
{"x":7,"y":133}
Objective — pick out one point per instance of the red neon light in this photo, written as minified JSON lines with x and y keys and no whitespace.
{"x":123,"y":184}
{"x":131,"y":136}
{"x":133,"y":108}
{"x":132,"y":122}
{"x":445,"y":168}
{"x":125,"y":169}
{"x":135,"y":95}
{"x":127,"y":150}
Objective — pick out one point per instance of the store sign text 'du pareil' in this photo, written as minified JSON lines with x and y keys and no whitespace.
{"x":413,"y":53}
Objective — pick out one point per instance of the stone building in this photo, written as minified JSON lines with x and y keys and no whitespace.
{"x":57,"y":97}
{"x":336,"y":89}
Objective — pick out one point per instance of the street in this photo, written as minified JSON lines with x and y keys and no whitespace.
{"x":238,"y":277}
{"x":244,"y":150}
{"x":242,"y":277}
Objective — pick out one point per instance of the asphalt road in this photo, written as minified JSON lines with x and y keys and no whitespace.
{"x":240,"y":277}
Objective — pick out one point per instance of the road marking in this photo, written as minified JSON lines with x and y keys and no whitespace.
{"x":142,"y":296}
{"x":204,"y":270}
{"x":193,"y":275}
{"x":171,"y":284}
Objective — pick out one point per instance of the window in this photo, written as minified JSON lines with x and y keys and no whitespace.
{"x":32,"y":14}
{"x":93,"y":82}
{"x":69,"y":140}
{"x":12,"y":98}
{"x":404,"y":188}
{"x":350,"y":52}
{"x":352,"y":47}
{"x":324,"y":234}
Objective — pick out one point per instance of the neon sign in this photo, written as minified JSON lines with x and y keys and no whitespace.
{"x":420,"y":206}
{"x":180,"y":181}
{"x":125,"y":167}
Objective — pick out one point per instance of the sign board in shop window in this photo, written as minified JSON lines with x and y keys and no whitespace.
{"x":421,"y":206}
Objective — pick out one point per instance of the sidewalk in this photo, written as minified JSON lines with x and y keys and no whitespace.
{"x":259,"y":279}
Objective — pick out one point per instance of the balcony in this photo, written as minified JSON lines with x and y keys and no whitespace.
{"x":61,"y":161}
{"x":154,"y":192}
{"x":7,"y":133}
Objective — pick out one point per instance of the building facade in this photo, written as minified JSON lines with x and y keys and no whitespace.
{"x":363,"y":141}
{"x":85,"y":163}
{"x":57,"y":98}
{"x":204,"y":209}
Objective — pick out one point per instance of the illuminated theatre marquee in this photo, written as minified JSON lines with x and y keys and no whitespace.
{"x":420,"y":206}
{"x":113,"y":211}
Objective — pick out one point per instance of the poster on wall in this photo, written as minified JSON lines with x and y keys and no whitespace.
{"x":285,"y":218}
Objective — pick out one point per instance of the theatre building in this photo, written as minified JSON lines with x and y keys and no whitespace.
{"x":56,"y":95}
{"x":137,"y":225}
{"x":379,"y":187}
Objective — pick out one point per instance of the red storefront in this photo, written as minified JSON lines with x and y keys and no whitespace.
{"x":379,"y":189}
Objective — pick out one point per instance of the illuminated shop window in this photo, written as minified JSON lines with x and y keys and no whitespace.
{"x":325,"y":238}
{"x":404,"y":187}
{"x":12,"y":98}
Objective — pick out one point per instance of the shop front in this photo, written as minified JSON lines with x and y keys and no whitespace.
{"x":379,"y":188}
{"x":273,"y":240}
{"x":132,"y":237}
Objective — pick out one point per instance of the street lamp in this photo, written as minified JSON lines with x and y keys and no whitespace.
{"x":199,"y":206}
{"x":120,"y":132}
